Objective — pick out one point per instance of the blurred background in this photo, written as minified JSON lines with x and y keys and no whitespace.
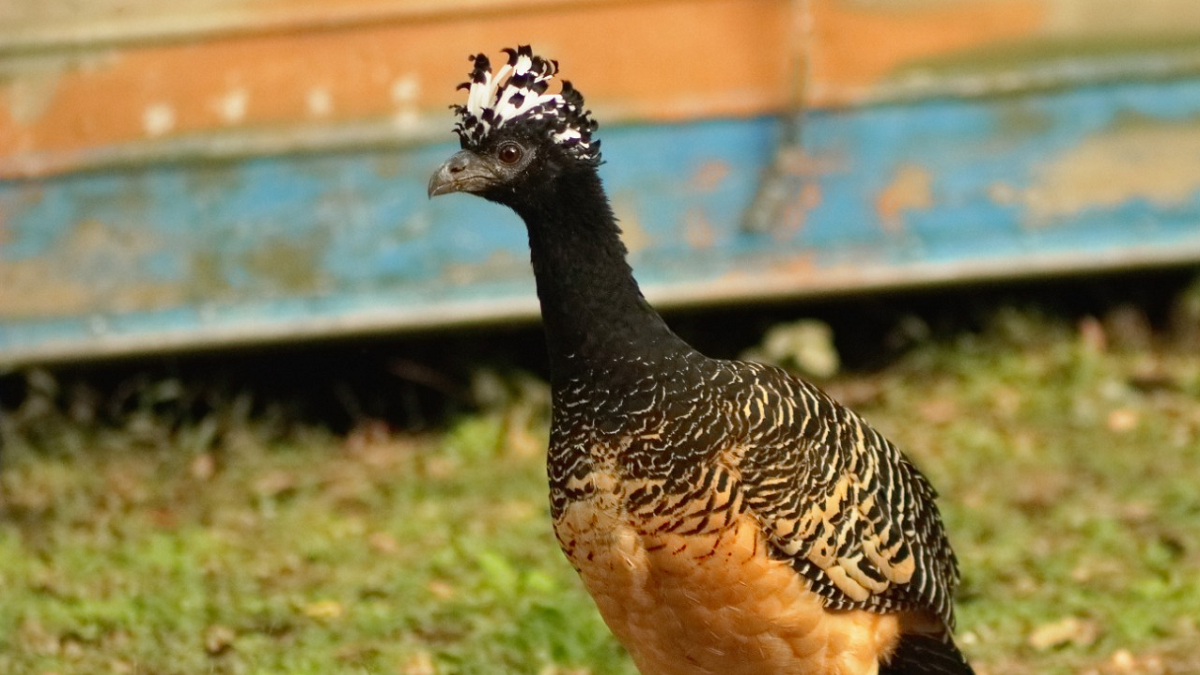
{"x":264,"y":407}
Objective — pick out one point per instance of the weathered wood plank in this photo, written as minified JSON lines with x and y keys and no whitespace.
{"x":381,"y":82}
{"x":117,"y":83}
{"x":861,"y":51}
{"x":29,"y":25}
{"x":273,"y":248}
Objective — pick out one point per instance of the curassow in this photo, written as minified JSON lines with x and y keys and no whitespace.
{"x":727,"y":517}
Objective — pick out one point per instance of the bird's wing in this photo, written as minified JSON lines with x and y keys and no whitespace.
{"x":844,"y":505}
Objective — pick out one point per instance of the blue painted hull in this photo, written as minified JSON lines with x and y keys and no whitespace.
{"x":128,"y":260}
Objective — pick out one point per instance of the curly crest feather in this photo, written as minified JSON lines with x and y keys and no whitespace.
{"x":517,"y":94}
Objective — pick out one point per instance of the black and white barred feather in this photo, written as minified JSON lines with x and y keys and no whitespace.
{"x":701,"y":441}
{"x":517,"y":94}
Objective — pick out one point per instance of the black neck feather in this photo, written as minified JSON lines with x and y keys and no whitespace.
{"x":597,"y":322}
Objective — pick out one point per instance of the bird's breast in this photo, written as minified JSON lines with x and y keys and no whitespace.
{"x":686,"y":583}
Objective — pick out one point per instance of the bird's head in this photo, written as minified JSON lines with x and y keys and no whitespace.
{"x":515,"y":136}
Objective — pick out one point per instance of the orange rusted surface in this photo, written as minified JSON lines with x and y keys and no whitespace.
{"x":725,"y":57}
{"x":36,"y":24}
{"x":137,"y":80}
{"x":910,"y":188}
{"x":856,"y":44}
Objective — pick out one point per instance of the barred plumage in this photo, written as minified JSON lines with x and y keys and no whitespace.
{"x":727,"y":517}
{"x":836,"y":499}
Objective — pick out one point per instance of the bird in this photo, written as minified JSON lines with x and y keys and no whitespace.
{"x":727,"y":517}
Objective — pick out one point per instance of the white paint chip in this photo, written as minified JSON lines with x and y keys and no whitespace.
{"x":406,"y":120}
{"x":405,"y":89}
{"x":232,"y":106}
{"x":158,"y":119}
{"x":319,"y":101}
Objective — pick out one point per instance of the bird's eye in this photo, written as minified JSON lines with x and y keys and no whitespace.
{"x":509,"y":153}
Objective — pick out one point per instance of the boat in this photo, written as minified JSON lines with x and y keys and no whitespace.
{"x":211,"y":173}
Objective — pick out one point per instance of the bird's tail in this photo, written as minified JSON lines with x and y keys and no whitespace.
{"x":926,"y":655}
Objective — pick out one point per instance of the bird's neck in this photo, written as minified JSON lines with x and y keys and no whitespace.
{"x":597,"y":323}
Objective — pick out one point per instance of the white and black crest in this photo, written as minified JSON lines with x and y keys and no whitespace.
{"x":517,"y":94}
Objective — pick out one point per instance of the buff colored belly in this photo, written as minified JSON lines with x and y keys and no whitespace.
{"x":715,"y":603}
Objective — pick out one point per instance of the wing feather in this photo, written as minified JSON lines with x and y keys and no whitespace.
{"x":843,"y":504}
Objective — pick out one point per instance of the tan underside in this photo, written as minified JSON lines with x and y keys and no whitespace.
{"x":715,"y":603}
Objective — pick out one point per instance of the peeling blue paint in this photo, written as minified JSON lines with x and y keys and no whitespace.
{"x":283,"y":247}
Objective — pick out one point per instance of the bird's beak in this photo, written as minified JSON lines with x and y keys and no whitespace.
{"x":465,"y":171}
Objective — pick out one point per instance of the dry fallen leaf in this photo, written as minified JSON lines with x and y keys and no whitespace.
{"x":1070,"y":630}
{"x":1122,"y":661}
{"x":324,"y":610}
{"x":1123,"y":420}
{"x":418,"y":663}
{"x":218,"y":639}
{"x":382,"y":542}
{"x":1092,"y":336}
{"x":938,"y":410}
{"x":274,"y":483}
{"x":203,"y":467}
{"x":441,"y":590}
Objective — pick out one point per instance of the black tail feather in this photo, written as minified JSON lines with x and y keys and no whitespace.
{"x":926,"y":655}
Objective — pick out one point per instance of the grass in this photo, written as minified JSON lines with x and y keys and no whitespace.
{"x":241,"y":540}
{"x":1069,"y":478}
